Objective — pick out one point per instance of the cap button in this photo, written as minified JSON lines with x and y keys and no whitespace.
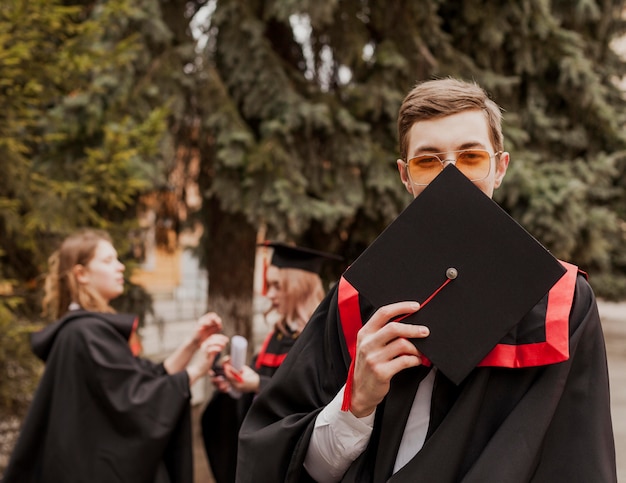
{"x":452,"y":273}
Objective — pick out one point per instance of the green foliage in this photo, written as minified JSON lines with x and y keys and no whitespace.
{"x":87,"y":101}
{"x":289,"y":108}
{"x":20,"y":369}
{"x":84,"y":128}
{"x":308,"y":147}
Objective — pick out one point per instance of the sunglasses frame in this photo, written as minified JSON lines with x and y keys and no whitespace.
{"x":451,"y":161}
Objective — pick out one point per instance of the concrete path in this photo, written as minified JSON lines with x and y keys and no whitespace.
{"x":613,"y":317}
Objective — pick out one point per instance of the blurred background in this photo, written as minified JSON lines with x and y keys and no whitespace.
{"x":192,"y":129}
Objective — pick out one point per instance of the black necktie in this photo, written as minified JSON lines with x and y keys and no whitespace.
{"x":445,"y":393}
{"x":397,"y":407}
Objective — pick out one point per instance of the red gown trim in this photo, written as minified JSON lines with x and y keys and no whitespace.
{"x":268,"y":360}
{"x":134,"y":341}
{"x":349,"y":314}
{"x":554,"y":349}
{"x":556,"y":346}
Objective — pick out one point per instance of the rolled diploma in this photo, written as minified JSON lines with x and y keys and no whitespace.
{"x":238,"y":352}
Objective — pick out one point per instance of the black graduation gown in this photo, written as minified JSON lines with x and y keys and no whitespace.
{"x":100,"y":414}
{"x":533,"y":423}
{"x":222,"y":418}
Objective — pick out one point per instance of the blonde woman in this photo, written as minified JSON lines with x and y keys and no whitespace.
{"x":101,"y":414}
{"x":294,"y":289}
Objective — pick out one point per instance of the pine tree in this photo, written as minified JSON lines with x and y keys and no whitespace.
{"x":308,"y":146}
{"x":290,"y":107}
{"x":89,"y":94}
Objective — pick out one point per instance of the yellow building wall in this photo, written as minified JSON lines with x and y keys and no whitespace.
{"x":162,"y":275}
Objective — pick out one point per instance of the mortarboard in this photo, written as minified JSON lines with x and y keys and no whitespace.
{"x":290,"y":256}
{"x":473,"y":268}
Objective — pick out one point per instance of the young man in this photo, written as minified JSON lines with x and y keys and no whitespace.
{"x":365,"y":404}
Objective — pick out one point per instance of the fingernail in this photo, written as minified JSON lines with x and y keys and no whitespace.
{"x":415,"y":305}
{"x":237,"y":377}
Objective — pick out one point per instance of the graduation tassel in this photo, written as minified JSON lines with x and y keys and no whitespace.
{"x":347,"y":393}
{"x":451,"y":274}
{"x":435,"y":292}
{"x":265,"y":266}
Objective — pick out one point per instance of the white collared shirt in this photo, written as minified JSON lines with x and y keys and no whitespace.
{"x":339,"y":437}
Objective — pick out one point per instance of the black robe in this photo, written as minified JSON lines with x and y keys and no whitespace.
{"x":504,"y":423}
{"x":222,"y":418}
{"x":100,"y":414}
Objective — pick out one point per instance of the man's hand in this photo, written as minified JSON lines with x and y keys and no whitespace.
{"x":383,"y":349}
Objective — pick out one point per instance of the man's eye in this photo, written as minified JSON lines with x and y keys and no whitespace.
{"x":424,"y":161}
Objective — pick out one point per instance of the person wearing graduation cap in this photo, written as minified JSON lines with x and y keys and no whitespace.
{"x":455,"y":348}
{"x":294,"y":289}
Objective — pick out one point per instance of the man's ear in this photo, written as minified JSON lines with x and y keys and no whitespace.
{"x":501,"y":166}
{"x":404,"y":176}
{"x":80,"y":273}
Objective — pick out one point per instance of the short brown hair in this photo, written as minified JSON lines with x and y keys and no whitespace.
{"x":443,"y":97}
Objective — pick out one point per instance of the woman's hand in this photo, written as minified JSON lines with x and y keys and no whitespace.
{"x":246,"y":380}
{"x":209,"y":349}
{"x":221,"y":383}
{"x":218,"y":379}
{"x":207,"y":325}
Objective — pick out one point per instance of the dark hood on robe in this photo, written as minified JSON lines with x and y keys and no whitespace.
{"x":41,"y":342}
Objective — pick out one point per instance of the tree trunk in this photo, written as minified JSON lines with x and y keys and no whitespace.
{"x":231,"y":247}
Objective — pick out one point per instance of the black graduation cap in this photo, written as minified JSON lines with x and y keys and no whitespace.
{"x":290,"y":256}
{"x":478,"y":269}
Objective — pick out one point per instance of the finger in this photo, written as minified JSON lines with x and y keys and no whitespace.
{"x":229,"y":369}
{"x":208,"y":329}
{"x":372,"y":341}
{"x":214,"y":344}
{"x":232,"y":373}
{"x":212,"y":349}
{"x":223,"y":386}
{"x":388,"y":312}
{"x":383,"y":370}
{"x":399,"y":347}
{"x":402,"y":362}
{"x":372,"y":357}
{"x":210,"y":342}
{"x":216,"y":339}
{"x":375,"y":383}
{"x":236,"y":376}
{"x":406,"y":331}
{"x":210,"y":319}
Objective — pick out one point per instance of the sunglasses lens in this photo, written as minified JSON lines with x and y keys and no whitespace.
{"x":423,"y":169}
{"x":475,"y":164}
